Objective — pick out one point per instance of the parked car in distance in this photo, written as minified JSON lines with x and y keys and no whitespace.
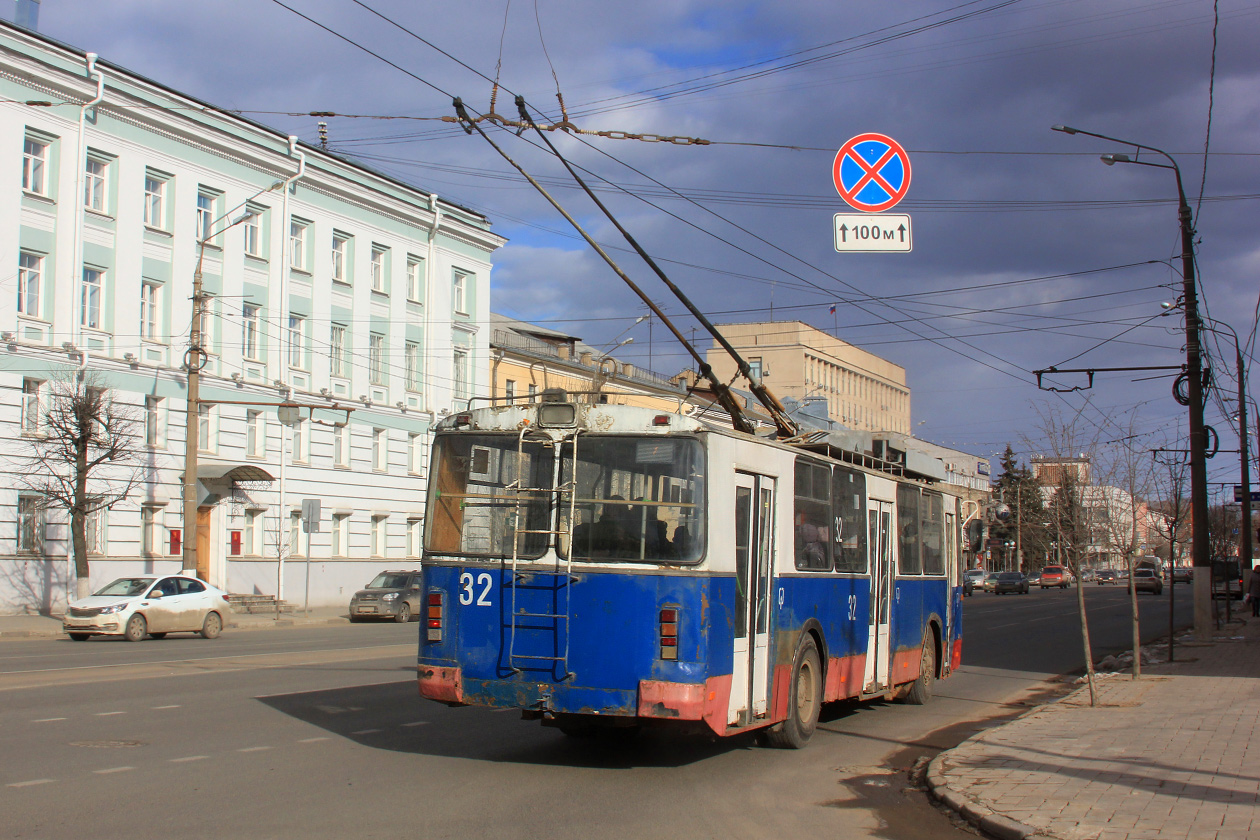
{"x":1147,"y":580}
{"x":990,"y":581}
{"x":148,"y":605}
{"x":972,"y":578}
{"x":1183,"y":574}
{"x":394,"y":595}
{"x":1106,"y":576}
{"x":1055,"y":576}
{"x":1010,"y":582}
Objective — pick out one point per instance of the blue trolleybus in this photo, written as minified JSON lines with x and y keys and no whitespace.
{"x":601,"y":565}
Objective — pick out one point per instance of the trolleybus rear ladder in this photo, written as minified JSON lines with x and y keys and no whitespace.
{"x":559,"y":492}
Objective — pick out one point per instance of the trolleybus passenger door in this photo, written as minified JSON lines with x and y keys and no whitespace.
{"x":878,"y":645}
{"x":754,"y":546}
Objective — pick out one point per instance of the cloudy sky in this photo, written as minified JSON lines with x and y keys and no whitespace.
{"x":1028,"y":252}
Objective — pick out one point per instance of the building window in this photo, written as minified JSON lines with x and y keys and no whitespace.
{"x":30,"y":282}
{"x":340,"y":535}
{"x":415,"y":533}
{"x":30,"y":524}
{"x":411,"y":365}
{"x":378,"y":269}
{"x":295,"y":533}
{"x":94,"y":182}
{"x":415,"y":453}
{"x":208,"y":321}
{"x":461,"y":375}
{"x":35,"y":167}
{"x":149,"y":310}
{"x":32,"y":406}
{"x":205,"y":428}
{"x":509,"y":389}
{"x":297,"y":245}
{"x":340,"y":247}
{"x":376,"y":359}
{"x":255,"y":434}
{"x":94,"y":527}
{"x":253,"y":532}
{"x":300,"y":440}
{"x":251,"y":229}
{"x":297,"y":341}
{"x":459,"y":293}
{"x":415,"y":279}
{"x":154,"y":427}
{"x":251,"y":320}
{"x":532,"y":391}
{"x":154,"y":201}
{"x":378,"y":536}
{"x":341,"y":446}
{"x":205,"y":216}
{"x":380,"y":450}
{"x":337,"y":350}
{"x":90,"y":298}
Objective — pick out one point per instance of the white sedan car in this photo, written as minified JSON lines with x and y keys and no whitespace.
{"x":148,"y":605}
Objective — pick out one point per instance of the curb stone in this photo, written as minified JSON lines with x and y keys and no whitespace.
{"x":978,"y":815}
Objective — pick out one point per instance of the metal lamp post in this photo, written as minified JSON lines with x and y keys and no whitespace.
{"x":1200,"y":550}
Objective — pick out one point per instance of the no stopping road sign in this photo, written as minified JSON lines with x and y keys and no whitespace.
{"x":871,"y":172}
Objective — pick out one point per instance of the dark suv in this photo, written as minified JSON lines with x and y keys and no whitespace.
{"x":393,"y":595}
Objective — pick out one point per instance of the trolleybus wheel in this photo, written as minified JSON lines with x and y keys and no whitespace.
{"x":921,"y":689}
{"x":804,"y":700}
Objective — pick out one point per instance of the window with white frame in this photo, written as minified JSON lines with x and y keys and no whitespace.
{"x":376,"y":359}
{"x":255,"y":433}
{"x":340,"y":258}
{"x":341,"y":446}
{"x":208,"y":321}
{"x":380,"y":450}
{"x":415,"y":453}
{"x":30,"y":524}
{"x":340,"y":534}
{"x":30,"y":282}
{"x":154,"y":421}
{"x":462,"y":384}
{"x":90,"y":293}
{"x":415,"y":534}
{"x":378,"y":269}
{"x":251,"y":231}
{"x":251,"y":332}
{"x":207,"y":426}
{"x":150,"y":536}
{"x":94,"y":526}
{"x":301,"y":442}
{"x":32,"y":406}
{"x":205,"y":215}
{"x":35,"y":166}
{"x":297,"y":244}
{"x":295,"y":533}
{"x":459,"y":293}
{"x":252,"y":542}
{"x":95,"y":184}
{"x":378,"y":535}
{"x":337,"y":351}
{"x":297,"y":341}
{"x":150,"y":293}
{"x":411,"y":365}
{"x":155,"y":201}
{"x":415,"y":279}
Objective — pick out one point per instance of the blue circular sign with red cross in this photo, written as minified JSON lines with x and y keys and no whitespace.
{"x":872,"y":172}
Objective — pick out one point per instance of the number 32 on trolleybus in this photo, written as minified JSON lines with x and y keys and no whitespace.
{"x":603,"y":565}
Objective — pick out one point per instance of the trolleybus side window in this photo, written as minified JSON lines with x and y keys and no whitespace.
{"x":932,"y":529}
{"x":848,"y":498}
{"x":909,"y":561}
{"x":812,"y":516}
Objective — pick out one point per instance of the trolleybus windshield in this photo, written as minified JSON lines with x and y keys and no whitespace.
{"x":635,"y":498}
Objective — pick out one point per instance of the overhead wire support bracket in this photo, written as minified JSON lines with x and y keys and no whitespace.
{"x":1090,"y":373}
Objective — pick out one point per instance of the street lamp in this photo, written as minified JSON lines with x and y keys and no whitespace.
{"x":1194,"y":373}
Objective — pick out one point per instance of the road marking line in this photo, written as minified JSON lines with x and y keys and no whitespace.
{"x":112,"y":770}
{"x":253,"y":749}
{"x":311,"y":740}
{"x":366,"y":732}
{"x":218,"y":658}
{"x":415,"y":723}
{"x":31,"y":782}
{"x":188,"y":758}
{"x":47,"y":720}
{"x":156,"y":708}
{"x":109,"y":714}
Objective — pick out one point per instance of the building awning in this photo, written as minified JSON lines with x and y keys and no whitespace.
{"x":233,"y":473}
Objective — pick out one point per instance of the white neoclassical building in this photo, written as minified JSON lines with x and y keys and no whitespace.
{"x":342,"y":287}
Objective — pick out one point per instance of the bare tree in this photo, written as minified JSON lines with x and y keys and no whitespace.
{"x":1170,"y":520}
{"x":85,"y":458}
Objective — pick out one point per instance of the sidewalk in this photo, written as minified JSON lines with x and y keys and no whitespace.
{"x":37,"y":626}
{"x":1162,"y":757}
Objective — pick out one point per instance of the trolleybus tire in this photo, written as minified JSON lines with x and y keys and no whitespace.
{"x":921,"y":689}
{"x":804,"y":699}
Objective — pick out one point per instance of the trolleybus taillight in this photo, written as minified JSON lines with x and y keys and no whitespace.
{"x":433,"y":620}
{"x":669,"y":634}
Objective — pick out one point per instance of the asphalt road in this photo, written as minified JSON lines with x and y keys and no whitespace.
{"x":318,"y":732}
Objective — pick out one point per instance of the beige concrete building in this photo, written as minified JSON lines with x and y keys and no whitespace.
{"x":797,"y":361}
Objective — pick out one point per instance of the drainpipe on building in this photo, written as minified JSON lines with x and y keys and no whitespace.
{"x":76,"y":264}
{"x":282,"y":526}
{"x":430,"y":263}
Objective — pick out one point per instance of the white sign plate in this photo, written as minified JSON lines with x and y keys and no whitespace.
{"x":879,"y":232}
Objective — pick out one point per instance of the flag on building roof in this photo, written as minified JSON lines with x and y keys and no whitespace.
{"x":832,"y":310}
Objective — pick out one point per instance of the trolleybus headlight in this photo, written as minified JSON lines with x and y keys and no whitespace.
{"x":433,"y":621}
{"x":669,"y":634}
